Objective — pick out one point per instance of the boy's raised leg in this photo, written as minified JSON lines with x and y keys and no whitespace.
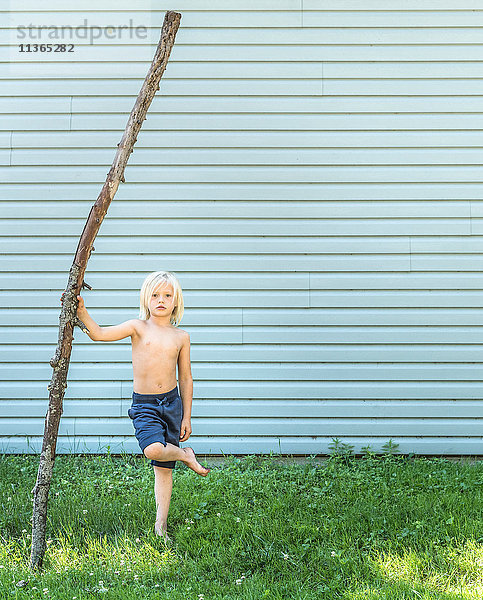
{"x":157,"y":451}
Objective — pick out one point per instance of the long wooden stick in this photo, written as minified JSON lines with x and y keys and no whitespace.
{"x":68,"y":315}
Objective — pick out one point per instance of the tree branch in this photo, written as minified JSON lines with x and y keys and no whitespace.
{"x":68,"y":315}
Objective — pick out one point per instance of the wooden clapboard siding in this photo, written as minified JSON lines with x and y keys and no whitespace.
{"x":311,"y":171}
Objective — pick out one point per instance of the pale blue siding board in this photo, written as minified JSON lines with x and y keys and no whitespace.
{"x":257,"y":427}
{"x":222,"y":281}
{"x":33,"y":122}
{"x":279,"y":227}
{"x":207,"y":316}
{"x":130,"y":87}
{"x":41,"y":191}
{"x":276,"y":316}
{"x":274,"y":122}
{"x":14,"y":106}
{"x":241,"y":35}
{"x":184,"y":5}
{"x":449,"y":263}
{"x":41,"y":335}
{"x":363,"y":335}
{"x":363,"y":316}
{"x":307,"y":104}
{"x":250,"y":445}
{"x":382,"y":390}
{"x":125,"y":65}
{"x":354,"y":303}
{"x":185,"y":71}
{"x":329,"y":246}
{"x":392,"y":15}
{"x":150,"y":14}
{"x":248,"y":174}
{"x":85,"y":371}
{"x":150,"y":156}
{"x":447,"y":245}
{"x":266,"y":408}
{"x":252,"y":354}
{"x":280,"y":263}
{"x":259,"y":5}
{"x":259,"y":18}
{"x":256,"y":281}
{"x":255,"y":53}
{"x":256,"y":139}
{"x":239,"y":209}
{"x":5,"y":140}
{"x":408,"y":299}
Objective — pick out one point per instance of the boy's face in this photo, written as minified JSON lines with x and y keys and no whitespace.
{"x":161,"y":302}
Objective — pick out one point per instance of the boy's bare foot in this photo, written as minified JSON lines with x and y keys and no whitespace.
{"x":161,"y":530}
{"x":192,"y":463}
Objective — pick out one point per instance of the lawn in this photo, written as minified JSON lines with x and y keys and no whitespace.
{"x":377,"y":527}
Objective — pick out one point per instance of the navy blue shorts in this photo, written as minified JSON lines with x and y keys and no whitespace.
{"x":157,"y":418}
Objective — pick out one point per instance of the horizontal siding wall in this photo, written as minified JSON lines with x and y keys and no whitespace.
{"x":310,"y":170}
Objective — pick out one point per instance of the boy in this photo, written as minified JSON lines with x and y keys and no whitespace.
{"x":161,"y":419}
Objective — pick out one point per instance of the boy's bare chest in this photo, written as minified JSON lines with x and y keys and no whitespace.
{"x":156,"y":347}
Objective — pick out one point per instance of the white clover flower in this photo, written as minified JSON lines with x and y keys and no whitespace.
{"x":218,"y":514}
{"x":332,"y":553}
{"x":238,"y":581}
{"x":84,"y":511}
{"x":238,"y":519}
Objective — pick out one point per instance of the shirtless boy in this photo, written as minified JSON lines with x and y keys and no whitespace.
{"x":161,"y":415}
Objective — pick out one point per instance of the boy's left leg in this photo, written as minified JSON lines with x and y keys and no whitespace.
{"x":163,"y":486}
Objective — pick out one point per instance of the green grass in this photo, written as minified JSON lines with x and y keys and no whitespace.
{"x":387,"y":527}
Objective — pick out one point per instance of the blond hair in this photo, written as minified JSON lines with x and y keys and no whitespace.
{"x":150,"y":284}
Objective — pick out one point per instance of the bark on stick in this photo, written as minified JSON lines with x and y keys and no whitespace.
{"x":68,"y":315}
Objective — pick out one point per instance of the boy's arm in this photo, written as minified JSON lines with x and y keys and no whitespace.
{"x":104,"y":334}
{"x":185,"y":378}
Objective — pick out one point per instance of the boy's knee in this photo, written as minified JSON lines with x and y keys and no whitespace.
{"x":152,"y":451}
